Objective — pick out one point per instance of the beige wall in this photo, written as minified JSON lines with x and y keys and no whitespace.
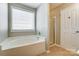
{"x":54,"y":33}
{"x":55,"y":12}
{"x":51,"y":27}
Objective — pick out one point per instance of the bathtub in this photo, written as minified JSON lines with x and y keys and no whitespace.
{"x":24,"y":45}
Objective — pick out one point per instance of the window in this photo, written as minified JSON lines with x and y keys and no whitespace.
{"x":22,"y":20}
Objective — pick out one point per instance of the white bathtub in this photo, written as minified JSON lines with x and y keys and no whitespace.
{"x":24,"y":45}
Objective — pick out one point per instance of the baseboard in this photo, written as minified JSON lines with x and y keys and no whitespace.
{"x":52,"y":45}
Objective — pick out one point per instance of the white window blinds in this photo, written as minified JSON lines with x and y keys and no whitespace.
{"x":22,"y":20}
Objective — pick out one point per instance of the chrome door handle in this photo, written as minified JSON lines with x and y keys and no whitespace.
{"x":77,"y":31}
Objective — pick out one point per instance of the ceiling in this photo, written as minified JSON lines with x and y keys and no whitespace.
{"x":54,"y":5}
{"x":33,"y":5}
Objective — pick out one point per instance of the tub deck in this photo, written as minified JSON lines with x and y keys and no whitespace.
{"x":23,"y":46}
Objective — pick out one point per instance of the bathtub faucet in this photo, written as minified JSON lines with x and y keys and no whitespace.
{"x":38,"y":33}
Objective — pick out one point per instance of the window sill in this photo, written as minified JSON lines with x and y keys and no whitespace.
{"x":23,"y":31}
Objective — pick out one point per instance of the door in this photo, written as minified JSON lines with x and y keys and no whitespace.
{"x":70,"y":28}
{"x":75,"y":27}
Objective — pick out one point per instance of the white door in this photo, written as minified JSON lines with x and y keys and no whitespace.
{"x":70,"y":28}
{"x":75,"y":28}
